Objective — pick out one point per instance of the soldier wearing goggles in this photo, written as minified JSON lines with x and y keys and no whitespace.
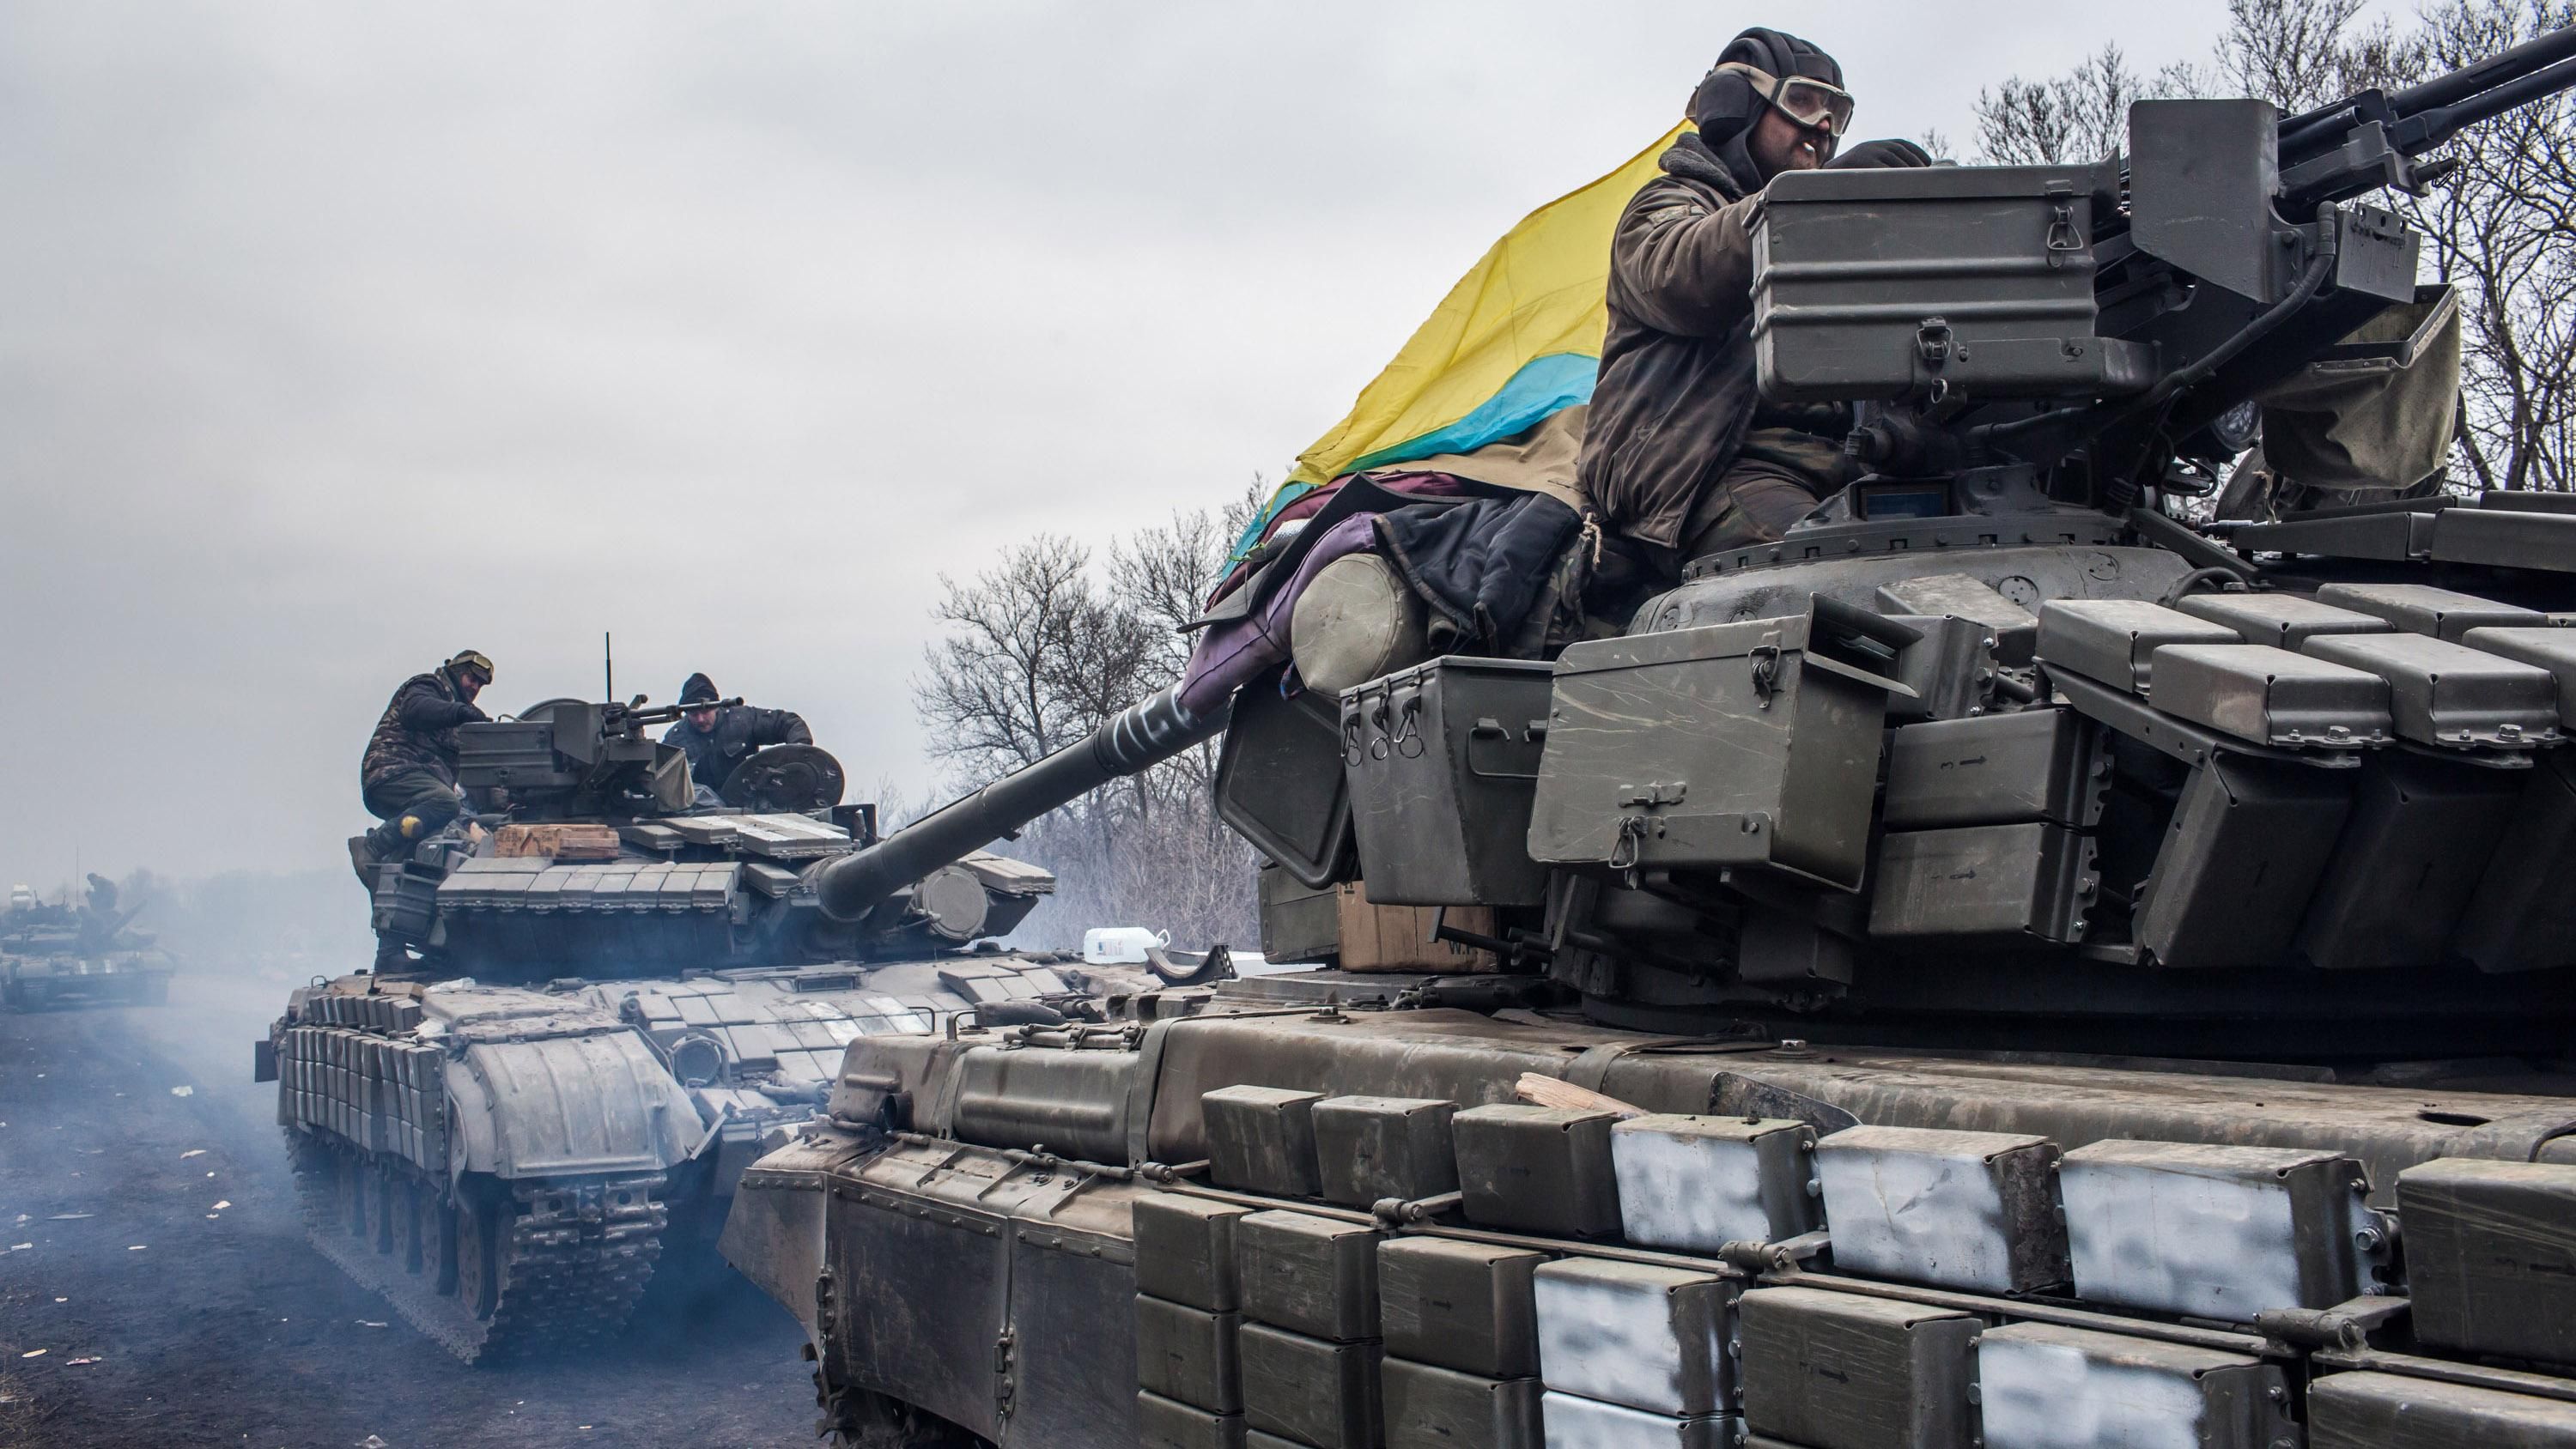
{"x":1680,"y":455}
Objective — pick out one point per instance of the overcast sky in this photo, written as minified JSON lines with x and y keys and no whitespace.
{"x":335,"y":338}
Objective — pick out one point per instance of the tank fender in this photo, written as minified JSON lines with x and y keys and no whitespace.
{"x":773,"y":1234}
{"x":595,"y":1101}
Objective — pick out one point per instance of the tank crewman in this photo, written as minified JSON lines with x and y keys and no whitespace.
{"x":408,"y":778}
{"x":1682,"y":456}
{"x":719,"y":739}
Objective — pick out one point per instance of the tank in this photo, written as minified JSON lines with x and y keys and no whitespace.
{"x":2006,"y":966}
{"x":85,"y":954}
{"x":614,"y":1002}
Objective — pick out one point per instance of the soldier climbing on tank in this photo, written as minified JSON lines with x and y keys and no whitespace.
{"x":408,"y":778}
{"x":1682,"y":456}
{"x":718,"y":738}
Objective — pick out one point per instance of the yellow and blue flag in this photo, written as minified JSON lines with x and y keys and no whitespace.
{"x":1515,"y":341}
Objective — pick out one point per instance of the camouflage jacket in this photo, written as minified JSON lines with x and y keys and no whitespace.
{"x":418,"y":730}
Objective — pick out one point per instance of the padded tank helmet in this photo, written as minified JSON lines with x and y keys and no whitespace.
{"x":1763,"y":68}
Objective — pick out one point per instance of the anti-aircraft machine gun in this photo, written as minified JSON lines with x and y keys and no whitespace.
{"x":618,"y":998}
{"x":2002,"y":966}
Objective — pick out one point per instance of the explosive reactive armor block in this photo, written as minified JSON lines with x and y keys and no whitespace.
{"x":2450,"y":694}
{"x":1310,"y":1390}
{"x":1575,"y":1422}
{"x":1463,"y":1306}
{"x":1371,"y":1148}
{"x":1169,"y":1425}
{"x":1839,"y":1371}
{"x":2114,"y":641}
{"x":2284,"y":621}
{"x":2522,"y":917}
{"x":1649,"y":1337}
{"x":1312,"y":1274}
{"x":1262,"y":1139}
{"x":2423,"y":609}
{"x":2385,"y":1411}
{"x":2269,"y":696}
{"x":1537,"y":1169}
{"x":1185,"y":1251}
{"x":1973,"y":1210}
{"x":2491,"y":1256}
{"x":1699,"y":1183}
{"x":1188,"y":1355}
{"x":2550,"y":649}
{"x":2411,"y":854}
{"x":2212,"y":1231}
{"x":1438,"y":1408}
{"x":2045,"y":1387}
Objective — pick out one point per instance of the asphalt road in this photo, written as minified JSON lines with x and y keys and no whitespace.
{"x":156,"y":1287}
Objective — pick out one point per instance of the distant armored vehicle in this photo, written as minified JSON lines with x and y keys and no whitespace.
{"x":2002,"y":966}
{"x":616,"y":1000}
{"x":59,"y":954}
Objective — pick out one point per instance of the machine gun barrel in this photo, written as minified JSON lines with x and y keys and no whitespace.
{"x":2423,"y":116}
{"x":1140,"y":736}
{"x":621,"y":716}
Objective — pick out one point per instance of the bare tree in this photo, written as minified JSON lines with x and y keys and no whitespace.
{"x":2503,"y":231}
{"x":1044,"y":647}
{"x":2078,"y":117}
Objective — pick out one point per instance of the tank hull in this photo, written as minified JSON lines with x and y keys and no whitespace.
{"x":509,"y":1165}
{"x":853,"y":1227}
{"x":37,"y":981}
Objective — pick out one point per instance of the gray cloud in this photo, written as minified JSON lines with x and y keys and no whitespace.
{"x":333,"y":338}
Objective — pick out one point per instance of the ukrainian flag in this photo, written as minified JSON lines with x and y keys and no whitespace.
{"x":1517,"y":339}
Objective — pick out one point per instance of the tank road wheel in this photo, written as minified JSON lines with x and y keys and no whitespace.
{"x":479,"y":1249}
{"x":350,"y":1176}
{"x":387,"y":1193}
{"x":407,"y":1246}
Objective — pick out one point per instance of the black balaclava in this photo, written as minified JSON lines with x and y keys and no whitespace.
{"x":1725,"y":106}
{"x":699,"y":690}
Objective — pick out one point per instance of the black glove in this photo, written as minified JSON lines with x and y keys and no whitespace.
{"x":1881,"y":153}
{"x":468,"y":712}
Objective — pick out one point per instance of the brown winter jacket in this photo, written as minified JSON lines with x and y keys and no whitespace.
{"x":418,"y":730}
{"x":1676,"y":391}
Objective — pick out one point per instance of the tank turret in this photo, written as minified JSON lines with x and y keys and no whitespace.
{"x":2002,"y":965}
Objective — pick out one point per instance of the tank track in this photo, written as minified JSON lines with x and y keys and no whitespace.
{"x":575,"y":1254}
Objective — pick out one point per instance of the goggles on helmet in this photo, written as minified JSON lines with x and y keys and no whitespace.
{"x":1811,"y":103}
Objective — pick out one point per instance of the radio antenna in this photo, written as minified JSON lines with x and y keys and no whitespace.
{"x":608,"y":664}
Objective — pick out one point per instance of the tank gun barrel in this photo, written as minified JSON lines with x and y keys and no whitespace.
{"x":1138,"y":737}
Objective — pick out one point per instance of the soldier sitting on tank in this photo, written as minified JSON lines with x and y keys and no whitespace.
{"x":408,"y":779}
{"x":1681,"y":455}
{"x":719,"y":738}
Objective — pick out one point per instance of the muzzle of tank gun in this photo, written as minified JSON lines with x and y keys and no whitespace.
{"x":1141,"y":736}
